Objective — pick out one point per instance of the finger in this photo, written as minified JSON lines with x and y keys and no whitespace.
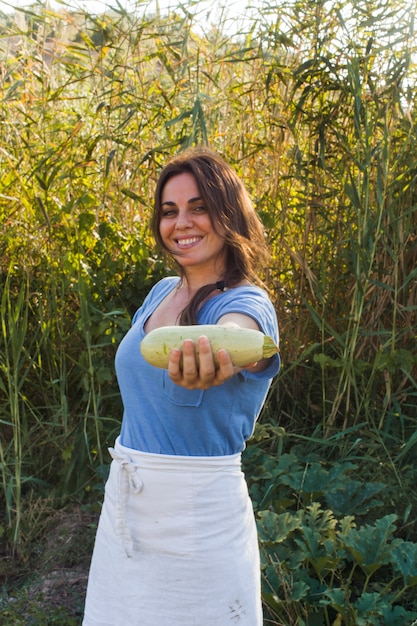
{"x":207,"y":366}
{"x":189,"y":360}
{"x":175,"y":364}
{"x":226,"y":368}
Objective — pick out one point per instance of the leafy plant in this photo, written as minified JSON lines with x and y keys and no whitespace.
{"x":321,"y":561}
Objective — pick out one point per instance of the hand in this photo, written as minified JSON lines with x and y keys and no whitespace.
{"x":192,"y":376}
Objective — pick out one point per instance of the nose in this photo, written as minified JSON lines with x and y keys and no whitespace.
{"x":183,"y":220}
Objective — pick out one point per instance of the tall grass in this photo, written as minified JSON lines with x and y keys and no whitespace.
{"x":15,"y":368}
{"x":313,"y":106}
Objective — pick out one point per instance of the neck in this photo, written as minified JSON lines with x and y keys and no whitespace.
{"x":193,"y":283}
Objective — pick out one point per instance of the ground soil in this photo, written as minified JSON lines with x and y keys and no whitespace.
{"x":45,"y":585}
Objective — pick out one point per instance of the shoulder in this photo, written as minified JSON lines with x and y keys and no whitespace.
{"x":164,"y":285}
{"x":243,"y":291}
{"x":248,"y":296}
{"x":248,"y":300}
{"x":161,"y":288}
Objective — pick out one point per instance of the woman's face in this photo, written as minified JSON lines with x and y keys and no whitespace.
{"x":186,"y":228}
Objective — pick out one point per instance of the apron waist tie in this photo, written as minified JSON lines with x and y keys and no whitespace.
{"x":128,"y":479}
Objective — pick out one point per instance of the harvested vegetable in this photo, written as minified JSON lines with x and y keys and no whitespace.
{"x":244,"y":345}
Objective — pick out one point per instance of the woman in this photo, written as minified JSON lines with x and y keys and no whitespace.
{"x":176,"y":542}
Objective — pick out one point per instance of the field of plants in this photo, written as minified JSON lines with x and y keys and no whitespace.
{"x":314,"y":105}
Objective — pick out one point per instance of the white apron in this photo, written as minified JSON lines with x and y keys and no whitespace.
{"x":176,"y":544}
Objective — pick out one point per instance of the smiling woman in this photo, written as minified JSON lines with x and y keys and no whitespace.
{"x":187,"y":231}
{"x":176,"y":511}
{"x":204,"y":192}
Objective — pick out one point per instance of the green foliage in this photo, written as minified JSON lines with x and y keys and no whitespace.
{"x":328,"y":552}
{"x":37,"y":615}
{"x":313,"y":104}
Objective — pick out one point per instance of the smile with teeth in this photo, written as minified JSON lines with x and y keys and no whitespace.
{"x":189,"y":241}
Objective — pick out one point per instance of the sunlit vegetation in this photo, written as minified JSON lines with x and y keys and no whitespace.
{"x":314,"y":105}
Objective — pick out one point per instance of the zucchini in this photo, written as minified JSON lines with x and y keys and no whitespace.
{"x":244,"y":345}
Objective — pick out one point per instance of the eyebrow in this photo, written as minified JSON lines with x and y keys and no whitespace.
{"x":190,"y":201}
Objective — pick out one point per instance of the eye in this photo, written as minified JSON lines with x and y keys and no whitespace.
{"x":168,"y":212}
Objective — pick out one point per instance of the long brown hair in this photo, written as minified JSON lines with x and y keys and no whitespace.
{"x":232,"y":214}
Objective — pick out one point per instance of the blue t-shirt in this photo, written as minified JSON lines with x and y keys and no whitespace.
{"x":164,"y":418}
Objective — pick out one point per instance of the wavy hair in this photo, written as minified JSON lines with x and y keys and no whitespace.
{"x":233,"y":217}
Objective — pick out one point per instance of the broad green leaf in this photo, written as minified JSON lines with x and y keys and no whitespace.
{"x":337,"y":598}
{"x":274,"y":528}
{"x":371,"y":546}
{"x":397,"y":616}
{"x":354,"y":497}
{"x":369,"y":608}
{"x":404,"y":560}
